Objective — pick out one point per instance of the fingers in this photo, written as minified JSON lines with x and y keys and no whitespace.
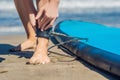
{"x":40,"y":21}
{"x":39,"y":14}
{"x":50,"y":24}
{"x":45,"y":22}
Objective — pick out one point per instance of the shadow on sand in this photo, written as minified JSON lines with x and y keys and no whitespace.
{"x":1,"y":59}
{"x":106,"y":74}
{"x":4,"y":50}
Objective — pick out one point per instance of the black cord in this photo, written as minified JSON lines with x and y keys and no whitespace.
{"x":76,"y":39}
{"x":72,"y":39}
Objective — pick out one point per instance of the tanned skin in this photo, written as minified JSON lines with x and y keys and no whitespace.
{"x":45,"y":16}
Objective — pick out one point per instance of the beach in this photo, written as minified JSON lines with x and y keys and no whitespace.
{"x":96,"y":11}
{"x":62,"y":66}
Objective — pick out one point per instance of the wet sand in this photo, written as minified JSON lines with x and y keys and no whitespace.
{"x":62,"y":66}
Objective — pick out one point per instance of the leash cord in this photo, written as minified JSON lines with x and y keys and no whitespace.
{"x":77,"y":39}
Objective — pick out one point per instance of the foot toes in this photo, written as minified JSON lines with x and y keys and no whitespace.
{"x":35,"y":62}
{"x":27,"y":63}
{"x":31,"y":61}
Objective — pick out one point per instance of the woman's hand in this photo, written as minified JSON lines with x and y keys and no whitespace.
{"x":47,"y":13}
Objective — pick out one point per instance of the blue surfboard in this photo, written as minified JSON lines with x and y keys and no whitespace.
{"x":102,"y":48}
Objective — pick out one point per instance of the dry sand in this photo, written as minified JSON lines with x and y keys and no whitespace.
{"x":62,"y":66}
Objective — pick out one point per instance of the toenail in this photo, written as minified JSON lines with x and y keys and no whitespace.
{"x":43,"y":62}
{"x":27,"y":63}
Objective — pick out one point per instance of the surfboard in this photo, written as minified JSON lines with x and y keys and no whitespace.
{"x":102,"y":48}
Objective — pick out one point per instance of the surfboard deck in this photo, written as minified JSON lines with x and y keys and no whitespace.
{"x":102,"y":48}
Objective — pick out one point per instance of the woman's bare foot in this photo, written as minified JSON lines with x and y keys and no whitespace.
{"x":40,"y":56}
{"x":30,"y":43}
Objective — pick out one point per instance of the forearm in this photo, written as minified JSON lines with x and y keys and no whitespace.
{"x":47,"y":13}
{"x":41,"y":3}
{"x":48,"y":1}
{"x":54,"y":2}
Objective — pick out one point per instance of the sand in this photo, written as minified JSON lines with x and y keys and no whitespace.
{"x":62,"y":66}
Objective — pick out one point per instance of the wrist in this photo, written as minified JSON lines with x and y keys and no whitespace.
{"x":54,"y":1}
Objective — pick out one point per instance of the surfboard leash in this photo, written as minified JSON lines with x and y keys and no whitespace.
{"x":72,"y":39}
{"x":52,"y":33}
{"x":61,"y":34}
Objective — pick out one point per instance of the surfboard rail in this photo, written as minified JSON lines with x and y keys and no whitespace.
{"x":105,"y":60}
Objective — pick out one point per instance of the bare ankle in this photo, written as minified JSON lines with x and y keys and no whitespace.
{"x":32,"y":39}
{"x":42,"y":42}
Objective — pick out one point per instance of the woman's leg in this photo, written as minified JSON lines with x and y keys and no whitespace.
{"x":24,"y":7}
{"x":40,"y":56}
{"x":41,"y":53}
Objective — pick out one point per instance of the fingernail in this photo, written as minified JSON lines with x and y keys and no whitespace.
{"x":45,"y":29}
{"x":43,"y":62}
{"x":42,"y":30}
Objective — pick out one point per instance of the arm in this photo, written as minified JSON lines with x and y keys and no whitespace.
{"x":47,"y":13}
